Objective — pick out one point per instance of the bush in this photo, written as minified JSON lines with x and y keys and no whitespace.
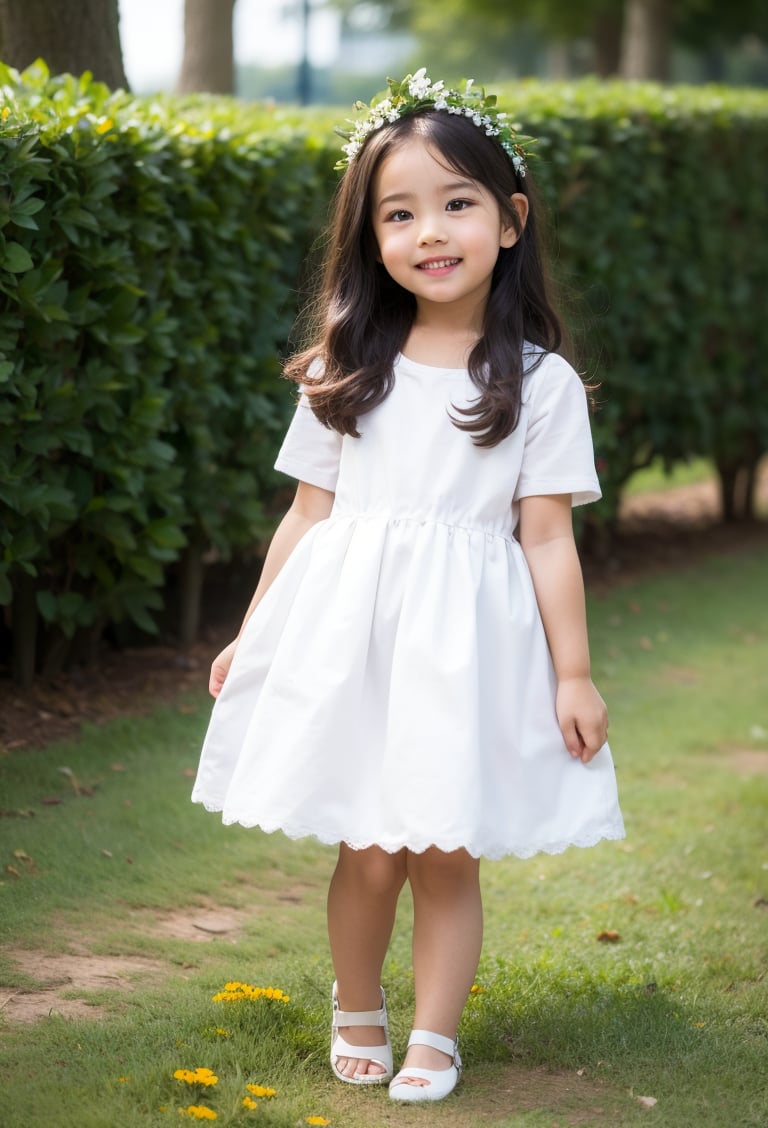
{"x":149,"y":252}
{"x":661,"y":208}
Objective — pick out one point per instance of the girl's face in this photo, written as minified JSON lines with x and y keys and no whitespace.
{"x":438,"y":232}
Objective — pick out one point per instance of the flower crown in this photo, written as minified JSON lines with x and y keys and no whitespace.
{"x":417,"y":92}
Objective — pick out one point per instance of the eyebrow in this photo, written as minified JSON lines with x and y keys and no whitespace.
{"x":400,"y":197}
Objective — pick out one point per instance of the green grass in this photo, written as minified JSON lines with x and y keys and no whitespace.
{"x":657,"y":477}
{"x":568,"y":1030}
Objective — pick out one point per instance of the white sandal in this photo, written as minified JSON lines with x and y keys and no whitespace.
{"x":440,"y":1082}
{"x":340,"y":1048}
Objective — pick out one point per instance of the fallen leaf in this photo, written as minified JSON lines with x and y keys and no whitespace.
{"x":107,"y":853}
{"x":51,"y":801}
{"x":761,"y":903}
{"x":13,"y":871}
{"x":608,"y":936}
{"x":647,"y":1102}
{"x":189,"y":773}
{"x":118,"y":768}
{"x":645,"y":644}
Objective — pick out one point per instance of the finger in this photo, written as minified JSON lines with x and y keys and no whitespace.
{"x":593,"y":738}
{"x":572,"y":738}
{"x":216,"y":681}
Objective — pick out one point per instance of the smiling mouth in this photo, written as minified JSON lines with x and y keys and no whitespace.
{"x":438,"y":264}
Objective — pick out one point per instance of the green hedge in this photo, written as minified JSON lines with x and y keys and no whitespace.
{"x":149,"y":253}
{"x":661,"y":210}
{"x":149,"y":257}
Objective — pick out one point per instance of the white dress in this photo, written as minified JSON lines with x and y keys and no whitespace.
{"x":394,"y":686}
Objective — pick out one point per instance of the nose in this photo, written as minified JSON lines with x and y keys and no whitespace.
{"x":431,"y":231}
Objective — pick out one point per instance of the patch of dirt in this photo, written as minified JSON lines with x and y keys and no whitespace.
{"x":199,"y":924}
{"x":488,"y":1097}
{"x":748,"y":761}
{"x":63,"y":975}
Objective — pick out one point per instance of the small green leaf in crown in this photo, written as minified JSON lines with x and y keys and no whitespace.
{"x":417,"y":92}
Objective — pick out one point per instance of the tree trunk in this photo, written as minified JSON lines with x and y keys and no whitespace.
{"x":208,"y":63}
{"x":24,"y":626}
{"x":76,"y":36}
{"x":191,"y":576}
{"x":645,"y":45}
{"x":606,"y":45}
{"x":558,"y":61}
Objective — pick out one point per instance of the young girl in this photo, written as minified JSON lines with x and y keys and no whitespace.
{"x":411,"y":681}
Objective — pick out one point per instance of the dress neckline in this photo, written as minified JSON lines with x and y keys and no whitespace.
{"x":405,"y":362}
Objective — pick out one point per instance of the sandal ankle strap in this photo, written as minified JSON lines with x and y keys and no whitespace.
{"x":439,"y":1042}
{"x":359,"y":1018}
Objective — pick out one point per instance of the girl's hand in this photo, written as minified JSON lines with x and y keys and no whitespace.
{"x":583,"y":718}
{"x":220,"y":669}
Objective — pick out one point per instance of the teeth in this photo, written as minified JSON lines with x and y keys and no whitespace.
{"x":438,"y":264}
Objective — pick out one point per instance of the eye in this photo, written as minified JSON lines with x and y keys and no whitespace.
{"x":398,"y":216}
{"x":458,"y":205}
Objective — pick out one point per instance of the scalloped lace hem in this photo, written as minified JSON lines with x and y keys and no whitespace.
{"x":610,"y":831}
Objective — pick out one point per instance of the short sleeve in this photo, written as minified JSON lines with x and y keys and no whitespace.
{"x":310,"y":451}
{"x":558,"y":456}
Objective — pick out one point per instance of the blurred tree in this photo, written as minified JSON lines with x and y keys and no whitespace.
{"x":631,"y":37}
{"x":208,"y":61}
{"x":77,"y":36}
{"x":646,"y":40}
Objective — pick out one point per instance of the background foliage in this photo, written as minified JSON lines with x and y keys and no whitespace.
{"x":149,"y":258}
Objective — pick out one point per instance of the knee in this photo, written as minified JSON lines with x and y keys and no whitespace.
{"x":374,"y":870}
{"x":436,"y":872}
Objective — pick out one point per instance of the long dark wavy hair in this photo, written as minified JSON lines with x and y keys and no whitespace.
{"x":362,"y":317}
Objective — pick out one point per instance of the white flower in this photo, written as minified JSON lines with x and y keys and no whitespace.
{"x":419,"y":85}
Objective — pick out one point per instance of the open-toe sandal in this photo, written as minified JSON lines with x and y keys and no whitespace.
{"x":440,"y":1082}
{"x":340,"y":1048}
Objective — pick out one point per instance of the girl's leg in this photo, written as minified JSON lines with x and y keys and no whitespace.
{"x":362,"y":901}
{"x":447,"y":938}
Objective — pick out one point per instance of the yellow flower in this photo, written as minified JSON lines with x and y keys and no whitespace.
{"x":205,"y":1077}
{"x":236,"y":990}
{"x":223,"y":1033}
{"x":261,"y":1091}
{"x":104,"y":125}
{"x":199,"y":1112}
{"x":320,"y":1120}
{"x":123,"y":1078}
{"x":477,"y":989}
{"x":200,"y":1076}
{"x":249,"y":1103}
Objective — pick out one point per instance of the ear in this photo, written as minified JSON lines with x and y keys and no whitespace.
{"x":509,"y":235}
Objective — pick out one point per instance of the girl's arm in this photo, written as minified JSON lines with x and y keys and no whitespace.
{"x":310,"y":505}
{"x":546,"y":537}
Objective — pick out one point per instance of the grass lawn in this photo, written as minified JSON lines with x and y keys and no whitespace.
{"x":634,"y":969}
